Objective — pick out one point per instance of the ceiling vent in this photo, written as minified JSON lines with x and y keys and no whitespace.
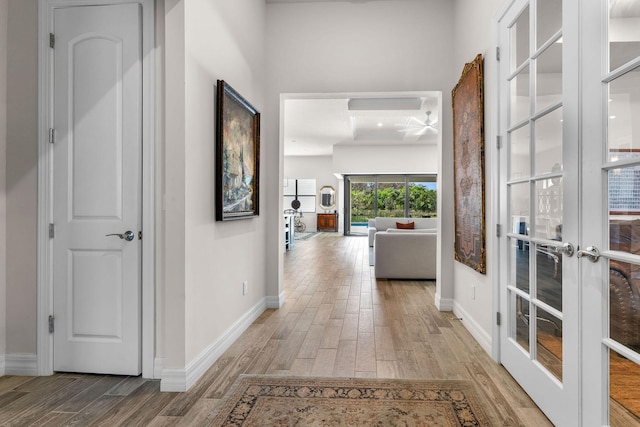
{"x":384,"y":104}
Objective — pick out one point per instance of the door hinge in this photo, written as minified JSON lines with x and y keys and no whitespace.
{"x":52,"y":231}
{"x":498,"y":142}
{"x":52,"y":136}
{"x":497,"y":53}
{"x":52,"y":40}
{"x":498,"y":230}
{"x":498,"y":318}
{"x":51,"y":323}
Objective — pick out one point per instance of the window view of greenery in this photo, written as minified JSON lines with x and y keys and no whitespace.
{"x":391,"y":200}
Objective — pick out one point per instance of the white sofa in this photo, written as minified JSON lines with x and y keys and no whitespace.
{"x":383,"y":224}
{"x":405,"y":254}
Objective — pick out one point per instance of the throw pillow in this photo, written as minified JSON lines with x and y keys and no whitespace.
{"x":407,"y":226}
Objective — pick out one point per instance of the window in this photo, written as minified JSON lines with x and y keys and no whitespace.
{"x":397,"y":196}
{"x":302,"y":189}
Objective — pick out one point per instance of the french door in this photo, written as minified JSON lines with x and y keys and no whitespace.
{"x":570,"y":197}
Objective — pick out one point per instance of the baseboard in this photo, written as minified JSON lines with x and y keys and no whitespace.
{"x":443,"y":304}
{"x":21,"y":364}
{"x":179,"y":380}
{"x":276,"y":301}
{"x":480,"y":335}
{"x":1,"y":365}
{"x":158,"y":367}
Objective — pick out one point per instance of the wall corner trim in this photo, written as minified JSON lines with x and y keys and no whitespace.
{"x":444,"y":304}
{"x":480,"y":335}
{"x":181,"y":379}
{"x":158,"y":367}
{"x":20,"y":364}
{"x":276,"y":301}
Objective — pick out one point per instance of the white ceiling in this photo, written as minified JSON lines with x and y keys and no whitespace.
{"x":314,"y":124}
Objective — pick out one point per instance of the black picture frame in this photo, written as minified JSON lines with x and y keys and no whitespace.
{"x":237,"y":156}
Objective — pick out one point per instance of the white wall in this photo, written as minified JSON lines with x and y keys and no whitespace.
{"x":3,"y":165}
{"x":207,"y":261}
{"x":385,"y":159}
{"x":474,"y":33}
{"x":21,"y":175}
{"x":381,"y":46}
{"x":319,"y":168}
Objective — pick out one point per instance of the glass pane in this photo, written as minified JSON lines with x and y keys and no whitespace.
{"x":362,"y":200}
{"x":624,"y":37}
{"x":624,"y":192}
{"x":306,"y":187}
{"x":624,"y":382}
{"x":307,"y":203}
{"x":624,"y":98}
{"x":391,"y":193}
{"x":519,"y":311}
{"x":549,"y":143}
{"x":519,"y":276}
{"x":520,"y":97}
{"x":422,"y":197}
{"x":549,"y":77}
{"x":549,"y":342}
{"x":549,"y":276}
{"x":519,"y":150}
{"x":549,"y":209}
{"x":520,"y":40}
{"x":624,"y":299}
{"x":519,"y":207}
{"x":289,"y":188}
{"x":549,"y":19}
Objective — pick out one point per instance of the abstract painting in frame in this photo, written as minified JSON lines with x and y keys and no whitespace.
{"x":237,"y":155}
{"x":468,"y":157}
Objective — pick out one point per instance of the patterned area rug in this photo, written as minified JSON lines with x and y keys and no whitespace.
{"x":304,"y":235}
{"x":320,"y":402}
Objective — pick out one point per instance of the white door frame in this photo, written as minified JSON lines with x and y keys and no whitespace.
{"x":46,"y":10}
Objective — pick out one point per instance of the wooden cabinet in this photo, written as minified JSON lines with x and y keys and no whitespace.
{"x":327,"y":222}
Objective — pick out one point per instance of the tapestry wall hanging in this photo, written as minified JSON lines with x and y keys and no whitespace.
{"x":237,"y":155}
{"x":468,"y":158}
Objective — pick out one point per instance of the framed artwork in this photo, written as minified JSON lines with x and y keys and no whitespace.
{"x":468,"y":158}
{"x":237,"y":155}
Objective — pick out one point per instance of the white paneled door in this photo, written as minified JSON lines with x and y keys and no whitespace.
{"x":539,"y":206}
{"x":97,"y":189}
{"x":570,"y":198}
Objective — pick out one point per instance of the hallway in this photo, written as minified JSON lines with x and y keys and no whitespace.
{"x":337,"y":321}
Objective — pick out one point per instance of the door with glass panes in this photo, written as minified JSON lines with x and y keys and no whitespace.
{"x":570,"y":198}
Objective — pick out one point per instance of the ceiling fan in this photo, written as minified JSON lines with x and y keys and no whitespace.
{"x":418,"y":127}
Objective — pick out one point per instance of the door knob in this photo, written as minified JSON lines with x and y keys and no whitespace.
{"x":127,"y":235}
{"x":591,"y":252}
{"x":567,"y":249}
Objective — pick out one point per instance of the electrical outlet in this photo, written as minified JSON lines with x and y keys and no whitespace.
{"x":473,"y":291}
{"x":245,"y":287}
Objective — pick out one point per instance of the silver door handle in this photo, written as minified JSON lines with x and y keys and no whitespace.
{"x":567,"y":249}
{"x":591,"y":252}
{"x":127,"y":235}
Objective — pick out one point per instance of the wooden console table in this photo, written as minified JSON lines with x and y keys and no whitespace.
{"x":327,"y":222}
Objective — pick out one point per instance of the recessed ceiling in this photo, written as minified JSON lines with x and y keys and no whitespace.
{"x":313,"y":125}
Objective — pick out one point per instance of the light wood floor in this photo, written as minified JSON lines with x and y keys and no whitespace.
{"x":337,"y":321}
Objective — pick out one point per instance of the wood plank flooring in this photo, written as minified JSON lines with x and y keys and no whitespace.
{"x":337,"y":321}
